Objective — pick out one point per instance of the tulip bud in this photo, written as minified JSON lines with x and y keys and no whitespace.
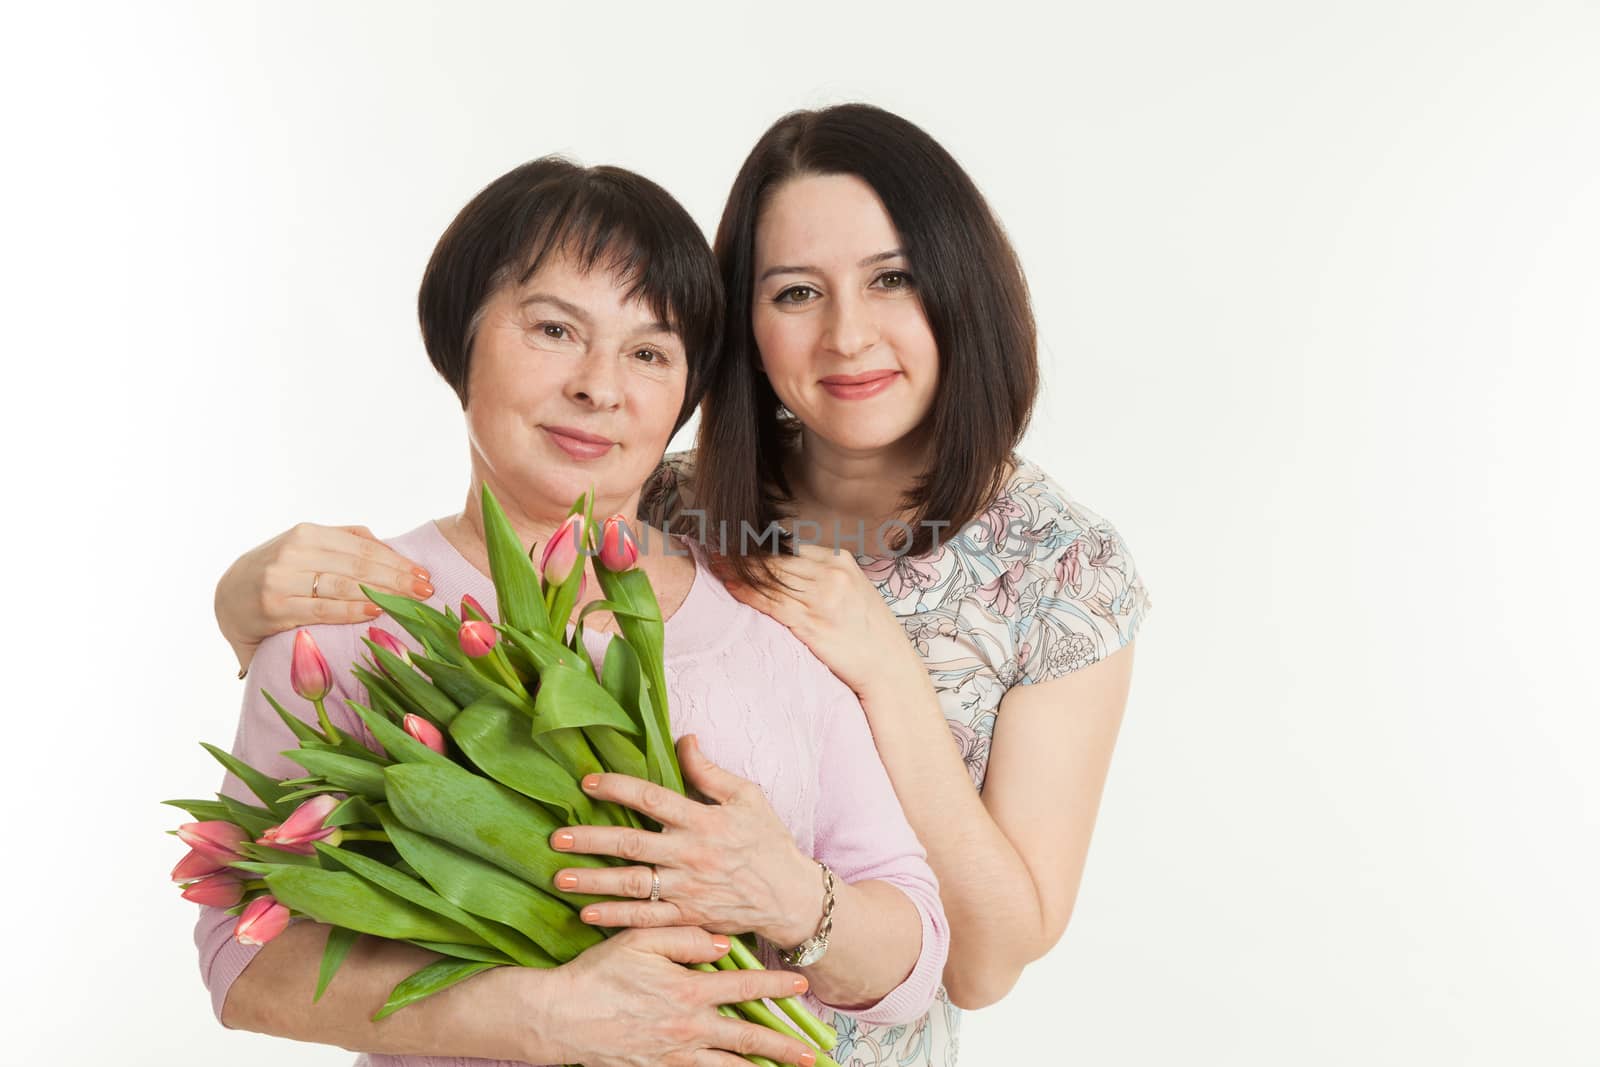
{"x":215,"y":838}
{"x":478,"y":638}
{"x":304,"y":827}
{"x":563,"y":552}
{"x":195,"y":865}
{"x":219,"y":890}
{"x":308,"y":671}
{"x":424,"y":731}
{"x":389,"y":643}
{"x":618,"y":550}
{"x":262,"y":920}
{"x":471,"y":609}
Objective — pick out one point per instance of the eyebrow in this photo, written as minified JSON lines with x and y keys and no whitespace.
{"x":576,"y":312}
{"x":563,"y":306}
{"x":893,"y":253}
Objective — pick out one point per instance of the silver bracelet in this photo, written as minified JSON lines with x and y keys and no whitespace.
{"x":814,"y":947}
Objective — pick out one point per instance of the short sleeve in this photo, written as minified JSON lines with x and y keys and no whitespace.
{"x":1085,"y":600}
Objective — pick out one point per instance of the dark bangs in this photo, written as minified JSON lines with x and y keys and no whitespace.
{"x":603,"y":217}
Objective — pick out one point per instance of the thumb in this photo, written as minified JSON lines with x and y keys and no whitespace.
{"x":711,"y":781}
{"x":680,"y":944}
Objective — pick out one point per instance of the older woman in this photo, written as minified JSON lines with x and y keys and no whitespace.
{"x":573,"y":311}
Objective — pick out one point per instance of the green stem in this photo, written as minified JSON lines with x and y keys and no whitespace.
{"x":328,"y":729}
{"x":817,"y":1030}
{"x":255,"y":883}
{"x":728,"y":1011}
{"x":364,"y":835}
{"x":502,"y":667}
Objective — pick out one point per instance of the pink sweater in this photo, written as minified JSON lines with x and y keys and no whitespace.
{"x":763,"y":707}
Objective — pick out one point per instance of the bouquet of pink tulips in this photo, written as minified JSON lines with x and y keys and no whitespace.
{"x":441,"y":839}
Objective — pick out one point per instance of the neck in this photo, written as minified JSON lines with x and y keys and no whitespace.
{"x":858,"y":485}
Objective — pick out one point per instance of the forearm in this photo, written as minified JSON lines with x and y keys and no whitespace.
{"x":990,"y":898}
{"x":485,"y":1016}
{"x":873,"y":947}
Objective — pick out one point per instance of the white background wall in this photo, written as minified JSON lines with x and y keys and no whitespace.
{"x":1320,"y":301}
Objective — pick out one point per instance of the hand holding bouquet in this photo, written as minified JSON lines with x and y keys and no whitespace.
{"x":441,"y":839}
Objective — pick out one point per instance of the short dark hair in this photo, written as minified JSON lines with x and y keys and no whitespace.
{"x":601,"y":216}
{"x":973,"y":294}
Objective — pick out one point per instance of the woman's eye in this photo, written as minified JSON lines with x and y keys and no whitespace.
{"x":650,"y":356}
{"x":553,"y":330}
{"x":894,"y":279}
{"x":795,"y":294}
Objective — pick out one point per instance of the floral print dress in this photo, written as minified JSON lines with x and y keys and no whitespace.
{"x":1034,"y":588}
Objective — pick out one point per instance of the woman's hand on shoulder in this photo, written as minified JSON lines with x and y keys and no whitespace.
{"x":268,"y":589}
{"x":827,"y":602}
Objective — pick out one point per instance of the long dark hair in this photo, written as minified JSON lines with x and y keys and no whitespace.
{"x":973,"y":294}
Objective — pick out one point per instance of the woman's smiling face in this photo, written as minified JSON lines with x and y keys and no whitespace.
{"x":836,"y":316}
{"x":574,"y":385}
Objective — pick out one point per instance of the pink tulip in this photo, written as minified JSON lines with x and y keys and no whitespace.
{"x":564,"y":551}
{"x":215,"y":839}
{"x":618,"y":550}
{"x":424,"y":731}
{"x":262,"y":920}
{"x":478,"y":638}
{"x":389,"y":643}
{"x":220,"y":890}
{"x":304,"y":827}
{"x":308,"y":671}
{"x":471,"y":609}
{"x":195,"y":864}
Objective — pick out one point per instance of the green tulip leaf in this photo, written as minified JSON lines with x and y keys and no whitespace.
{"x":265,"y":788}
{"x":340,"y":898}
{"x":496,"y":739}
{"x":400,"y":745}
{"x":413,"y":688}
{"x":477,"y":886}
{"x":570,"y":698}
{"x":340,"y":941}
{"x":516,"y":583}
{"x":302,"y":730}
{"x":351,"y":775}
{"x":513,"y":944}
{"x":472,"y":952}
{"x":433,"y":978}
{"x":484,"y":818}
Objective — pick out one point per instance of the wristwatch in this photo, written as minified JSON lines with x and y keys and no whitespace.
{"x":814,"y":947}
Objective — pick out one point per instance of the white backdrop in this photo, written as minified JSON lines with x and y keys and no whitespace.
{"x":1320,"y":303}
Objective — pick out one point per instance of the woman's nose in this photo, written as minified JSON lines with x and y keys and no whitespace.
{"x":596,"y":382}
{"x":851,"y":327}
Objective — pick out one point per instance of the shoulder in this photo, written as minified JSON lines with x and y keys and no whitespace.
{"x":667,"y":491}
{"x":1079,"y":592}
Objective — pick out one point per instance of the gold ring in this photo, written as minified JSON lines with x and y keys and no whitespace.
{"x":315,"y":578}
{"x":655,"y":885}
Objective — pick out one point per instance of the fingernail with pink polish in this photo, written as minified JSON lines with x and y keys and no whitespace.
{"x":561,"y":839}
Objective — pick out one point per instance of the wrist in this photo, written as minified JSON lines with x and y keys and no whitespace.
{"x":526,"y":1030}
{"x":801,"y":915}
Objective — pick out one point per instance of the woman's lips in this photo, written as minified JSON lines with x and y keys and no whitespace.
{"x":859,"y":386}
{"x":577,"y":444}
